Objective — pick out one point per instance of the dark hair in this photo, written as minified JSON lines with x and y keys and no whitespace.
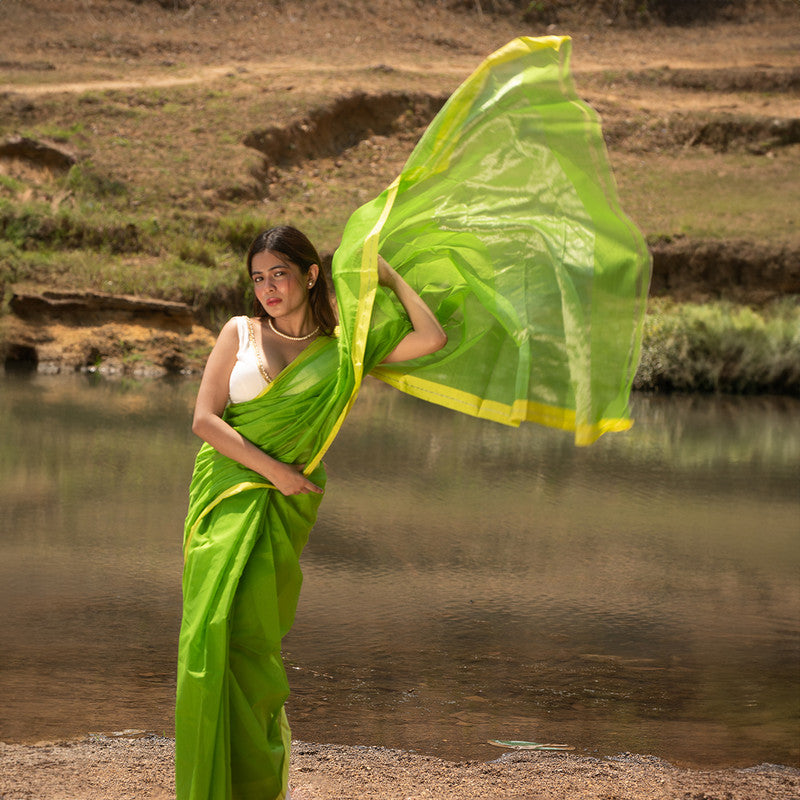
{"x":295,"y":246}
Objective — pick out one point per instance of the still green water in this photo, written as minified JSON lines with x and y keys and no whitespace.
{"x":465,"y":581}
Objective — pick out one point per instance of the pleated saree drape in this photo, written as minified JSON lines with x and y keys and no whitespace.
{"x":242,"y":579}
{"x":505,"y":220}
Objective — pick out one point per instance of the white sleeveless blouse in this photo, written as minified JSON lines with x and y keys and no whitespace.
{"x":247,"y":380}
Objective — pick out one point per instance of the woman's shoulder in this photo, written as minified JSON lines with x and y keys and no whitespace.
{"x":238,"y":323}
{"x":235,"y":329}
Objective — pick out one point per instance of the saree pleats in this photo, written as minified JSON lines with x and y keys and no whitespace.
{"x":242,"y":579}
{"x":505,"y":220}
{"x":232,"y":684}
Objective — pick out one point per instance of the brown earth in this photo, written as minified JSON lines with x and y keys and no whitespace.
{"x":726,"y":91}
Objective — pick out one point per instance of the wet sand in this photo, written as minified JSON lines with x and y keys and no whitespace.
{"x":102,"y":768}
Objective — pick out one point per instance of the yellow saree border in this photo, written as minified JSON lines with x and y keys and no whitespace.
{"x":366,"y":299}
{"x":519,"y":411}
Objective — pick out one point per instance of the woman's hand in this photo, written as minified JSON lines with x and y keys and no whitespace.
{"x":387,"y":275}
{"x":288,"y":479}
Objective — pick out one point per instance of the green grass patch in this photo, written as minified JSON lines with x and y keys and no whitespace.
{"x":213,"y":293}
{"x":237,"y":231}
{"x":33,"y":226}
{"x":58,"y":133}
{"x":196,"y":251}
{"x":86,"y":180}
{"x":11,"y":185}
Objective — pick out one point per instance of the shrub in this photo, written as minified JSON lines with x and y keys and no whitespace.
{"x":196,"y":251}
{"x":84,"y":180}
{"x":719,"y":347}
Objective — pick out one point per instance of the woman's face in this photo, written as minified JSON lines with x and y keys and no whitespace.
{"x":279,"y":285}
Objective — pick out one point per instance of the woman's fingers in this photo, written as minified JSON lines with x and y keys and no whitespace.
{"x":294,"y":482}
{"x":306,"y":488}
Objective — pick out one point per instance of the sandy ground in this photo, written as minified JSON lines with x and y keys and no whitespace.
{"x":102,"y":768}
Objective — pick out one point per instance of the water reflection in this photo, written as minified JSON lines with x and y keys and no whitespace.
{"x":465,"y":581}
{"x":92,"y":492}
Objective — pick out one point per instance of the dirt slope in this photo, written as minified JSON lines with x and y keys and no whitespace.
{"x":701,"y":121}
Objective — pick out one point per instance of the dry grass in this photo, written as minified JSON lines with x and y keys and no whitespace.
{"x":713,"y":195}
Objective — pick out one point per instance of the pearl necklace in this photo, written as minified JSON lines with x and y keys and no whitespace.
{"x":286,"y":335}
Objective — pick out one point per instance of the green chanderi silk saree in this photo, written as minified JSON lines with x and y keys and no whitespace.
{"x":242,"y":579}
{"x":505,"y":220}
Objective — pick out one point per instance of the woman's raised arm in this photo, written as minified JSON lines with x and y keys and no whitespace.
{"x":428,"y":335}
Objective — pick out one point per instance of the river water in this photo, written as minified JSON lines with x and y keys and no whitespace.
{"x":465,"y":581}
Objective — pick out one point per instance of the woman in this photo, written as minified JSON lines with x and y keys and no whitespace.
{"x":505,"y":220}
{"x":271,"y":393}
{"x":292,"y":309}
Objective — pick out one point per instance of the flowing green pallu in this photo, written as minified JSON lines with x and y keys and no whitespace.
{"x":505,"y":220}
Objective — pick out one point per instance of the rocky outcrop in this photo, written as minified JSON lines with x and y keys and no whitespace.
{"x":57,"y":331}
{"x":92,"y":308}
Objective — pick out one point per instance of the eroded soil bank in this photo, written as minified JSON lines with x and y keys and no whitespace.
{"x":136,"y":768}
{"x":188,"y":113}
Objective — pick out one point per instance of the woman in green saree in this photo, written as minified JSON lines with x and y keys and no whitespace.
{"x":505,"y":223}
{"x":271,"y":395}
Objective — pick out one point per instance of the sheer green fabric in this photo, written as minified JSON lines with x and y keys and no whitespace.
{"x":505,"y":219}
